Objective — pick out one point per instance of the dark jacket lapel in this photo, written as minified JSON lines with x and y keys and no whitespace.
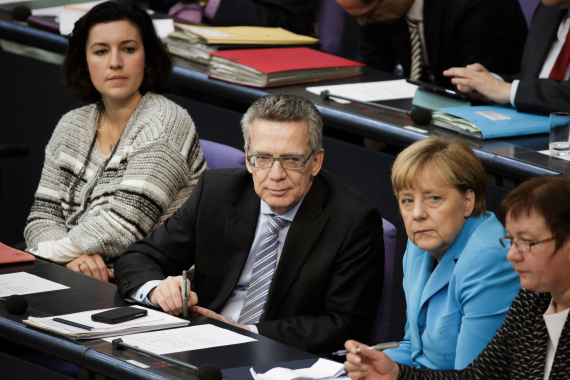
{"x":432,"y":27}
{"x":302,"y":236}
{"x":543,"y":30}
{"x":239,"y":232}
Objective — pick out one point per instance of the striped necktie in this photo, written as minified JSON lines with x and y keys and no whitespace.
{"x":416,"y":44}
{"x":262,"y":273}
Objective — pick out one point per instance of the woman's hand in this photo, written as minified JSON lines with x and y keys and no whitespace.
{"x":477,"y":81}
{"x":369,"y":364}
{"x":91,"y":265}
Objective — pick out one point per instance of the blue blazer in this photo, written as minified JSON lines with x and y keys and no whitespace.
{"x":454,"y":310}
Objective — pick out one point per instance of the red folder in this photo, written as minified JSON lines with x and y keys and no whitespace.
{"x":295,"y":61}
{"x":12,"y":255}
{"x":276,"y":60}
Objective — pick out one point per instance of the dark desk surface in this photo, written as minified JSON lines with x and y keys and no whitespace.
{"x":86,"y":293}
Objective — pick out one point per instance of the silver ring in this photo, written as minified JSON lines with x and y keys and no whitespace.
{"x":78,"y":264}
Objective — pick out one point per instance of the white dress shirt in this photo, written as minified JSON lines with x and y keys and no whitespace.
{"x":554,"y":324}
{"x":551,"y":57}
{"x":237,"y":299}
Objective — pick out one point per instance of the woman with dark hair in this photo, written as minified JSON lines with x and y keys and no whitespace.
{"x":117,"y":168}
{"x":534,"y":340}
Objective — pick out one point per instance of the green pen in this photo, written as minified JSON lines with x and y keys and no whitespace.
{"x":185,"y":295}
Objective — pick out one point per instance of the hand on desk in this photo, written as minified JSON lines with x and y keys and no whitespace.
{"x":369,"y":364}
{"x":210,"y":314}
{"x":477,"y":81}
{"x":168,"y":295}
{"x":91,"y":265}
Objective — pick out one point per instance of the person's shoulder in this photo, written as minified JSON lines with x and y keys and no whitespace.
{"x":157,"y":111}
{"x":484,"y":252}
{"x":74,"y":124}
{"x":344,"y":197}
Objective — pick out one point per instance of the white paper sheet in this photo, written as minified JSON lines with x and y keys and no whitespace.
{"x":25,"y":283}
{"x":371,"y":91}
{"x":154,"y":318}
{"x":322,"y":369}
{"x":184,"y":339}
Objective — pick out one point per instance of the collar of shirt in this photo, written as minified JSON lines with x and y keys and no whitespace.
{"x":416,"y":11}
{"x":266,"y":210}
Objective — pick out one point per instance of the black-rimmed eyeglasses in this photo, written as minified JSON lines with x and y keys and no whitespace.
{"x":263,"y":161}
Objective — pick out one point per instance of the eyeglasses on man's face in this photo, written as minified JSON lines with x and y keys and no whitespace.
{"x":522,"y":245}
{"x":263,"y":161}
{"x":368,"y":17}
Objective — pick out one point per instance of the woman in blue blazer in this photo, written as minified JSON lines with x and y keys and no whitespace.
{"x":457,"y":280}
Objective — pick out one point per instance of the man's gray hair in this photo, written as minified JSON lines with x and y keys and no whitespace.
{"x":285,"y":108}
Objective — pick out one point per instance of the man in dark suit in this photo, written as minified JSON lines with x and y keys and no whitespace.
{"x":543,"y":82}
{"x":323,"y":280}
{"x":427,"y":37}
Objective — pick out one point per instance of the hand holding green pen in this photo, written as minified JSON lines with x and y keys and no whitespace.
{"x":185,"y":294}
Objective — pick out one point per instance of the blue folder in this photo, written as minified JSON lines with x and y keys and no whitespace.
{"x":496,"y":121}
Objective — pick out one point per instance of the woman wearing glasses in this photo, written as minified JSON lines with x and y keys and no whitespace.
{"x":117,"y":168}
{"x":457,"y":280}
{"x":534,"y":340}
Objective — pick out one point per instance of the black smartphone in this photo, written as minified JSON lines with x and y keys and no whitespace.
{"x":119,"y":315}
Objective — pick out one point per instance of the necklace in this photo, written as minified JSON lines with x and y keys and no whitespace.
{"x":73,"y":188}
{"x":100,"y":121}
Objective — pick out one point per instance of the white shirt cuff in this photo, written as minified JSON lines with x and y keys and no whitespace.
{"x":141,"y":294}
{"x":61,"y":251}
{"x":514,"y":87}
{"x":253,"y":328}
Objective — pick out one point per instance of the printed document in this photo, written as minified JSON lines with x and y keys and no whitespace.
{"x":369,"y":92}
{"x":25,"y":283}
{"x":184,"y":339}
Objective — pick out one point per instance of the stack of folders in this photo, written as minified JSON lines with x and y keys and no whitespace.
{"x":155,"y":320}
{"x":489,"y":122}
{"x":195,"y":43}
{"x":279,"y":66}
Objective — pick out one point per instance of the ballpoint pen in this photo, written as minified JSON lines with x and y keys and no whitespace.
{"x":378,"y":347}
{"x":185,"y":295}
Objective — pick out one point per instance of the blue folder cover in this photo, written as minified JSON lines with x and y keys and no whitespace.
{"x":496,"y":121}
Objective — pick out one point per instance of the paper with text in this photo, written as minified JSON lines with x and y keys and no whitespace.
{"x":371,"y":91}
{"x":184,"y":339}
{"x":25,"y":283}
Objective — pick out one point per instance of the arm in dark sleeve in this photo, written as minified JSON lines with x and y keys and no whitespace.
{"x":492,"y":33}
{"x":376,"y":48}
{"x":167,"y":251}
{"x":352,"y":298}
{"x":296,"y":16}
{"x":543,"y":95}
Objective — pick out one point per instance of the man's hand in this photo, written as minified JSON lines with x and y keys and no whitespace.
{"x":369,"y":364}
{"x":91,"y":265}
{"x":477,"y":81}
{"x":210,"y":314}
{"x":168,"y":295}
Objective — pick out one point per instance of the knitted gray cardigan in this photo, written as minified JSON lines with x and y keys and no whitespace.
{"x":156,"y":166}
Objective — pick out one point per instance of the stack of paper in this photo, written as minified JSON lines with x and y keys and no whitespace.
{"x":155,"y":320}
{"x":244,"y":35}
{"x":322,"y":369}
{"x":195,"y":43}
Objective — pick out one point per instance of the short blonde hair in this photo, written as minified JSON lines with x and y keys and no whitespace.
{"x":453,"y":161}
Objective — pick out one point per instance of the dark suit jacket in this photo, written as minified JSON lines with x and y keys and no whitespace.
{"x":328,"y":282}
{"x":296,"y":16}
{"x":541,"y":95}
{"x":457,"y":33}
{"x":518,"y":350}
